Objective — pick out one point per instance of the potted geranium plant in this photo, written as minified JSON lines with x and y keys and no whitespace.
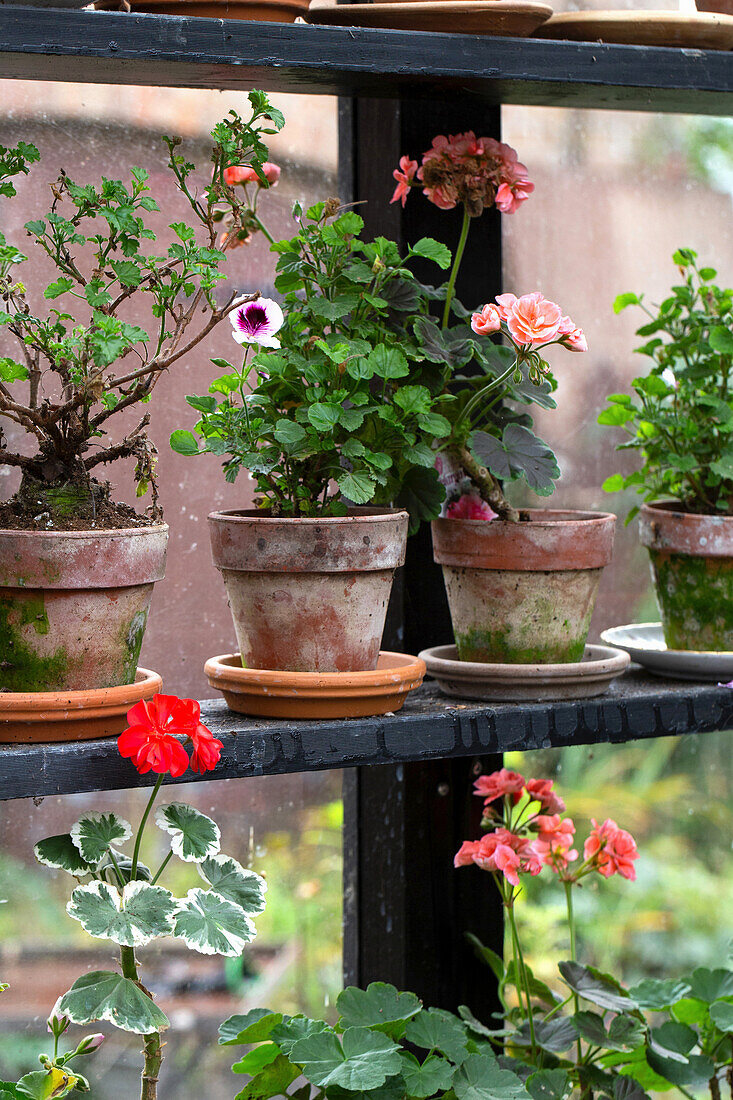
{"x":521,"y":587}
{"x":679,"y":421}
{"x":331,"y":411}
{"x":70,"y":554}
{"x":121,"y":901}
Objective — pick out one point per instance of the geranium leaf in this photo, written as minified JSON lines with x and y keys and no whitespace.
{"x":235,"y":883}
{"x":212,"y":925}
{"x":195,"y":836}
{"x":104,"y":995}
{"x":432,"y":250}
{"x":721,"y":1013}
{"x":256,"y":1059}
{"x":519,"y":453}
{"x":60,"y":852}
{"x":548,"y":1084}
{"x":434,"y":1075}
{"x":711,"y":985}
{"x":249,"y":1027}
{"x":140,"y":914}
{"x":94,"y":833}
{"x":45,"y":1084}
{"x":358,"y":1059}
{"x":273,"y":1080}
{"x":601,"y":989}
{"x":481,"y":1077}
{"x":377,"y":1006}
{"x":293,"y":1028}
{"x":658,"y":993}
{"x":435,"y":1029}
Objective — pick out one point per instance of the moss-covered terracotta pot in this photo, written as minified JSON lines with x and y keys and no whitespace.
{"x":309,"y":595}
{"x":692,"y":570}
{"x":523,"y":593}
{"x":74,"y":606}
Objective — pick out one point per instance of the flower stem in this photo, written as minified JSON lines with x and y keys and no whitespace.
{"x":522,"y":971}
{"x":162,"y":867}
{"x":141,"y":828}
{"x":152,"y":1047}
{"x":571,"y":926}
{"x":454,"y":270}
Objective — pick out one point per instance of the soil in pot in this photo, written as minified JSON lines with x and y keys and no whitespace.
{"x":523,"y":593}
{"x":691,"y":560}
{"x":74,"y":601}
{"x":309,"y":595}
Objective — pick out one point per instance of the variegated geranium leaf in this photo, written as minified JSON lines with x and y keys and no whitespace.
{"x":104,"y":995}
{"x":95,"y":833}
{"x":235,"y":883}
{"x":194,"y":835}
{"x":208,"y":923}
{"x":60,"y":852}
{"x":132,"y":918}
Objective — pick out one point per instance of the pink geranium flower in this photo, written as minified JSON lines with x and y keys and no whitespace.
{"x":572,"y":337}
{"x":505,"y":302}
{"x":501,"y":851}
{"x":611,"y":850}
{"x":242,"y":173}
{"x":257,"y":322}
{"x":469,"y":506}
{"x":461,"y":168}
{"x":542,"y":791}
{"x":404,"y":176}
{"x":496,"y":785}
{"x":554,"y":841}
{"x":533,"y":319}
{"x":487,"y":320}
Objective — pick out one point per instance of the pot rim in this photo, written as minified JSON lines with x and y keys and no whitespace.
{"x":668,"y":530}
{"x":225,"y":670}
{"x":538,"y":518}
{"x":69,"y":704}
{"x":247,"y":515}
{"x":674,"y":508}
{"x":90,"y":533}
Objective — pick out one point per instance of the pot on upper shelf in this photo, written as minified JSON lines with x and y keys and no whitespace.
{"x":261,"y":11}
{"x":74,"y":606}
{"x":692,"y":569}
{"x":523,"y":593}
{"x":309,"y":595}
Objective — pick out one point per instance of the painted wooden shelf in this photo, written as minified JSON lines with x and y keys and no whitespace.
{"x":162,"y":50}
{"x":430,"y":727}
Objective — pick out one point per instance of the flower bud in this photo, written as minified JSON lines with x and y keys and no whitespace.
{"x":57,"y":1022}
{"x":89,"y":1044}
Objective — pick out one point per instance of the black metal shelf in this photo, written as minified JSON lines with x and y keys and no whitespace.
{"x":163,"y":50}
{"x":430,"y":727}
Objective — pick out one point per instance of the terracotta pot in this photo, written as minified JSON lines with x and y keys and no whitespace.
{"x":269,"y":694}
{"x":692,"y":570}
{"x":523,"y":593}
{"x":27,"y":717}
{"x":266,"y":11}
{"x":309,"y":595}
{"x":74,"y":606}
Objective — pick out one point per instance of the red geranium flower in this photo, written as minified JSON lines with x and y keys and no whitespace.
{"x":151,"y":741}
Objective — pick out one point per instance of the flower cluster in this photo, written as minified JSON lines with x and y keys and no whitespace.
{"x":527,"y":833}
{"x":531,"y":321}
{"x":461,"y":168}
{"x":152,"y":738}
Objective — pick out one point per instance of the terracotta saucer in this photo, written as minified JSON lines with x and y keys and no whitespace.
{"x":270,"y":694}
{"x":261,"y":11}
{"x":525,"y":683}
{"x":31,"y":716}
{"x":499,"y":17}
{"x":696,"y":30}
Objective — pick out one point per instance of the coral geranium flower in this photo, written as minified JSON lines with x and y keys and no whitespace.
{"x":498,"y":784}
{"x":533,"y":319}
{"x":241,"y":173}
{"x":542,"y":791}
{"x":151,"y":740}
{"x":404,"y":176}
{"x":611,"y":849}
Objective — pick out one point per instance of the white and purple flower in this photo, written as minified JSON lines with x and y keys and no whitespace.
{"x":257,"y":322}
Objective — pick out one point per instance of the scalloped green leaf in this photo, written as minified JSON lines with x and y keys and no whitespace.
{"x":62,"y":854}
{"x":235,"y":883}
{"x":139,"y":914}
{"x":436,"y":1029}
{"x":194,"y":835}
{"x":255,"y":1060}
{"x":249,"y":1027}
{"x":293,"y":1028}
{"x":377,"y":1006}
{"x":434,"y":1075}
{"x":358,"y":1059}
{"x":211,"y":925}
{"x":94,"y":833}
{"x":104,"y":995}
{"x":481,"y":1077}
{"x":273,"y":1080}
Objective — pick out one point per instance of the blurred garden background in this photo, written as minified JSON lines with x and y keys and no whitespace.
{"x":615,"y":195}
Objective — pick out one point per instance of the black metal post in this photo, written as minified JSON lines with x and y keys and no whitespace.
{"x":405,"y":907}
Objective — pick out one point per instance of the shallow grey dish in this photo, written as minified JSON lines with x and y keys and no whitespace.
{"x":644,"y":642}
{"x":500,"y":683}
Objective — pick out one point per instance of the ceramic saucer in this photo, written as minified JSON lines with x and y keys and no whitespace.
{"x":525,"y":683}
{"x":644,"y":642}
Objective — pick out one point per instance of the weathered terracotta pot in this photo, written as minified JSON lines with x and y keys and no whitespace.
{"x":523,"y":593}
{"x":692,"y":569}
{"x":74,"y":606}
{"x":309,"y":595}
